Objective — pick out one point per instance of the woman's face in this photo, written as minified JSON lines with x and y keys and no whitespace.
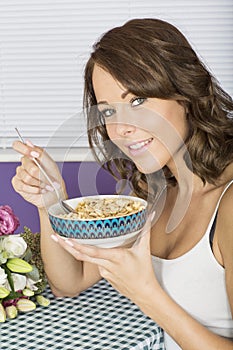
{"x":149,"y":131}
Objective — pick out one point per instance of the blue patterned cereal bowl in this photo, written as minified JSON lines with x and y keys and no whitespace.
{"x":105,"y":218}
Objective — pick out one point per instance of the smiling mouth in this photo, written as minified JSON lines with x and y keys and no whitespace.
{"x":140,"y":145}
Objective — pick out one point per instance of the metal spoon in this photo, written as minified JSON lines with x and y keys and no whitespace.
{"x":67,"y":208}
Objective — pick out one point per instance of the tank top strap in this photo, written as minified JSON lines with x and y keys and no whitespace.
{"x":223,"y":192}
{"x":213,"y":218}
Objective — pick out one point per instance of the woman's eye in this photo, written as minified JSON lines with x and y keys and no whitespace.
{"x":108,"y":112}
{"x":137,"y":101}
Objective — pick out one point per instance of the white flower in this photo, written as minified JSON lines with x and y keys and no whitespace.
{"x":3,"y":276}
{"x":31,"y":284}
{"x":14,"y":245}
{"x":18,"y":280}
{"x":3,"y":257}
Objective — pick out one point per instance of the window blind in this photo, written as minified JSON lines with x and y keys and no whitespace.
{"x":44,"y":45}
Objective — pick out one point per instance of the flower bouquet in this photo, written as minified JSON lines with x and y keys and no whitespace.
{"x":22,"y":276}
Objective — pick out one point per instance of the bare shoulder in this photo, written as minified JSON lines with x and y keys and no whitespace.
{"x":226,"y":205}
{"x":225,"y":238}
{"x":225,"y":226}
{"x":227,"y":198}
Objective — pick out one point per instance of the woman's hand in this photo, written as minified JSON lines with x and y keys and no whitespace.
{"x":129,"y":270}
{"x":29,"y":182}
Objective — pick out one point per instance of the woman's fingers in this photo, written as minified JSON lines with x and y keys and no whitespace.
{"x":81,"y":252}
{"x":30,"y":151}
{"x":92,"y":253}
{"x":20,"y":147}
{"x":38,"y":196}
{"x":20,"y":186}
{"x":29,"y":172}
{"x":28,"y":165}
{"x":30,"y":182}
{"x":26,"y":150}
{"x":111,"y":254}
{"x":31,"y":194}
{"x":25,"y":181}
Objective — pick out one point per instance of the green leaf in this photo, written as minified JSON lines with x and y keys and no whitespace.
{"x":9,"y":277}
{"x":2,"y":314}
{"x":28,"y":255}
{"x":18,"y":265}
{"x":42,"y":300}
{"x":25,"y":305}
{"x":34,"y":274}
{"x":13,"y":295}
{"x":4,"y":292}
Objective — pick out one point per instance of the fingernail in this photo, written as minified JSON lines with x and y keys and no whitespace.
{"x":69,"y":243}
{"x":54,"y":238}
{"x":56,"y":184}
{"x":35,"y":154}
{"x":49,"y":188}
{"x":29,"y":143}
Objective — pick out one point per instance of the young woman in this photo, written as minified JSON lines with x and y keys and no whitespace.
{"x":156,"y":115}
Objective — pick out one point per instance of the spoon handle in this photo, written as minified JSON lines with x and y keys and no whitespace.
{"x":41,"y":169}
{"x":47,"y":177}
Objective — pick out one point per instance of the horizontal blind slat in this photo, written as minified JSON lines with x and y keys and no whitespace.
{"x":44,"y":46}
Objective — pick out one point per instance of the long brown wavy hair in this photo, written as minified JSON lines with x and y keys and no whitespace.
{"x":152,"y":58}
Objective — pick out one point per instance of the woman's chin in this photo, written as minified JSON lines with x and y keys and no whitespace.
{"x":148,"y":168}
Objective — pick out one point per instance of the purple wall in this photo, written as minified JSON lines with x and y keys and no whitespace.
{"x":81,"y":179}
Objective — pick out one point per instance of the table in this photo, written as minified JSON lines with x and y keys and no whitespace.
{"x":98,"y":319}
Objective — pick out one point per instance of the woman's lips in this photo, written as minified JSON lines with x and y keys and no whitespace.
{"x":139,"y":146}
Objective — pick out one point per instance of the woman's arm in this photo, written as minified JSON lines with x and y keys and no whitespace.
{"x":186,"y":331}
{"x":66,"y":275}
{"x":130,"y":271}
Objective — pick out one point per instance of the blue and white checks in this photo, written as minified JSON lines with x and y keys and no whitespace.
{"x":98,"y":319}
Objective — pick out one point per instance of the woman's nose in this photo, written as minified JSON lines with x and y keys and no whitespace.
{"x":124,"y":129}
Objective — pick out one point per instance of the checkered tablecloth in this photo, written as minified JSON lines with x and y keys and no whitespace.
{"x":98,"y":319}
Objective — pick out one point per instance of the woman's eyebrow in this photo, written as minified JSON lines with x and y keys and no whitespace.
{"x":123,"y":95}
{"x":102,"y":103}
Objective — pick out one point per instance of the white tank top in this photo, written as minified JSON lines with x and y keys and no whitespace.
{"x":196,"y":281}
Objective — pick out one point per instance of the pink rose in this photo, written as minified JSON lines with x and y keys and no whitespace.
{"x":8,"y":221}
